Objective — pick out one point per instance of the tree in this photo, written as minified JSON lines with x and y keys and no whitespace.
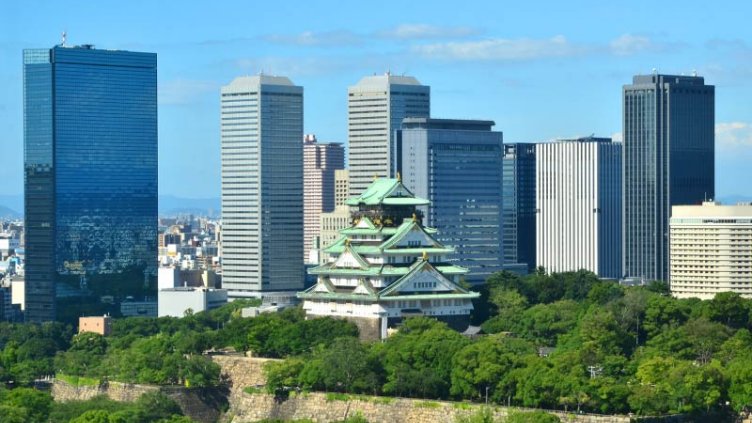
{"x":481,"y":367}
{"x":281,"y":375}
{"x":728,"y":308}
{"x":344,"y":366}
{"x":36,"y":403}
{"x":418,"y":358}
{"x":531,"y":417}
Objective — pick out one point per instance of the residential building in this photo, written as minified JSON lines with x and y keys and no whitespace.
{"x":90,"y":178}
{"x":387,"y":266}
{"x":320,"y":162}
{"x":518,"y":209}
{"x":578,"y":196}
{"x":376,"y":106}
{"x":711,"y":250}
{"x":669,"y":160}
{"x":262,"y":186}
{"x":341,"y":186}
{"x":457,"y":166}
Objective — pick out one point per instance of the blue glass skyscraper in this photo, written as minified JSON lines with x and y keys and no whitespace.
{"x":90,"y":183}
{"x":457,"y":165}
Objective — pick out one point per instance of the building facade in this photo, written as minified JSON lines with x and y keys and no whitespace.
{"x":387,"y":266}
{"x":320,"y":162}
{"x":669,"y":160}
{"x":376,"y":106}
{"x":90,"y":179}
{"x":341,"y":187}
{"x":711,"y":250}
{"x":518,"y":209}
{"x":331,"y":223}
{"x":456,"y":165}
{"x":262,"y":186}
{"x":578,"y":197}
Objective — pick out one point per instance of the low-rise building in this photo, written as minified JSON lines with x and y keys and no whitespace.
{"x":96,"y":324}
{"x":710,"y":250}
{"x":177,"y":301}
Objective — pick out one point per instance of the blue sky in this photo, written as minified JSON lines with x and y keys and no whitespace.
{"x":541,"y":70}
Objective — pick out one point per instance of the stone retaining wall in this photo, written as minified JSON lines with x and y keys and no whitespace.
{"x":247,"y":408}
{"x":202,"y":405}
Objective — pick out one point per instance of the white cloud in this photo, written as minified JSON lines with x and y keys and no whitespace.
{"x":310,"y":38}
{"x":628,"y":44}
{"x":425,"y":31}
{"x":184,"y":91}
{"x":501,"y":49}
{"x":730,"y":135}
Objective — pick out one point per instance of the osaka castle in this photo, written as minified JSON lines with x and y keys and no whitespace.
{"x":387,"y":266}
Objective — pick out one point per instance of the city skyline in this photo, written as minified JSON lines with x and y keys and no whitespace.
{"x":537,"y":83}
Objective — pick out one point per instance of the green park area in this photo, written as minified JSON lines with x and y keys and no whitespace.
{"x":563,"y":341}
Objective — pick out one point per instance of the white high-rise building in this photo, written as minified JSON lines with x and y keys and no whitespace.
{"x":262,"y":186}
{"x":578,"y":197}
{"x":711,"y":250}
{"x":376,"y":106}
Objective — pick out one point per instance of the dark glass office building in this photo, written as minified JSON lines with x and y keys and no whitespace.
{"x":669,"y":160}
{"x":518,"y":211}
{"x":456,"y":164}
{"x":90,"y":153}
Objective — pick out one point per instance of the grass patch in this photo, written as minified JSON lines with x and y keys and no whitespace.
{"x":462,"y":406}
{"x":336,"y":396}
{"x":78,"y":380}
{"x":253,"y":390}
{"x":427,"y":404}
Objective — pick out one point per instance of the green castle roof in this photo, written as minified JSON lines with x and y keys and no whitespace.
{"x":385,"y":191}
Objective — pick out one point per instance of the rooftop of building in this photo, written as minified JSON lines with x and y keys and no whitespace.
{"x":712,"y":209}
{"x":387,"y":79}
{"x":656,"y":78}
{"x":451,"y":124}
{"x":587,"y":139}
{"x":387,"y":191}
{"x":254,"y":82}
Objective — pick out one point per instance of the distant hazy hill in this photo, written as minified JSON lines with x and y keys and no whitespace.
{"x":11,"y":206}
{"x":7,"y":213}
{"x":172,"y":205}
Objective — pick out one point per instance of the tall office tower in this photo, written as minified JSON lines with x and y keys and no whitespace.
{"x":518,"y":210}
{"x":669,"y":160}
{"x":320,"y":162}
{"x":578,"y":196}
{"x":90,"y":179}
{"x":376,"y":106}
{"x":341,"y":187}
{"x":456,"y":165}
{"x":711,"y":250}
{"x":262,"y":186}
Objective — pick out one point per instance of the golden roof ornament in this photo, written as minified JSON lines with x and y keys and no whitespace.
{"x":347,"y":242}
{"x":415,"y":217}
{"x":399,"y":177}
{"x":425,"y":256}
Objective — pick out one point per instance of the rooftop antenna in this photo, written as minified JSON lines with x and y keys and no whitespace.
{"x":65,"y":38}
{"x":655,"y":71}
{"x":694,"y":72}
